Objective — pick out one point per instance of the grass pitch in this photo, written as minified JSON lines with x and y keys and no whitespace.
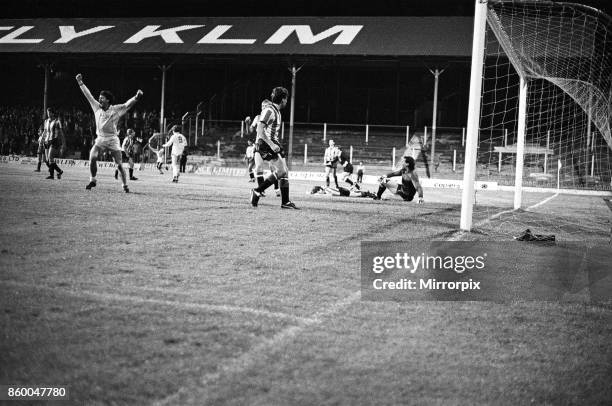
{"x":183,"y":294}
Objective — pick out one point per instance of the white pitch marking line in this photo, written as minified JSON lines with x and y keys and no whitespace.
{"x":262,"y":349}
{"x":113,"y":297}
{"x":548,"y":199}
{"x":460,"y":234}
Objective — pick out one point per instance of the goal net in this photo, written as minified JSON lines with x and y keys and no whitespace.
{"x":563,"y":53}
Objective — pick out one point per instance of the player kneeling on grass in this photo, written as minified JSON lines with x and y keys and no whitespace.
{"x":410,"y":182}
{"x":127,"y":151}
{"x":268,"y":148}
{"x":178,"y":143}
{"x":107,"y":116}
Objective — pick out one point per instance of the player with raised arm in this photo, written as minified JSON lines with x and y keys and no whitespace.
{"x":410,"y":182}
{"x":161,"y":157}
{"x":178,"y":143}
{"x":107,"y":116}
{"x":127,"y":151}
{"x":268,"y":148}
{"x":54,"y":142}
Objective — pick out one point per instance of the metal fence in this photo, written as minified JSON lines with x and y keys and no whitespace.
{"x":440,"y":151}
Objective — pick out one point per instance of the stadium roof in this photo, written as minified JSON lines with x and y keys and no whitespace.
{"x":323,"y":36}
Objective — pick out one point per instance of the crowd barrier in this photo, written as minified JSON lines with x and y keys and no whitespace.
{"x":318,"y":177}
{"x":214,"y":170}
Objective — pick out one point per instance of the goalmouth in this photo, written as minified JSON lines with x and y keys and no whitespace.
{"x":541,"y":71}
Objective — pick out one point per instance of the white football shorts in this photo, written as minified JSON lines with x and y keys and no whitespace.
{"x":111,"y":143}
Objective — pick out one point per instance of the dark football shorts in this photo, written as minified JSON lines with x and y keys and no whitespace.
{"x":53,"y":143}
{"x":348,"y":168}
{"x":53,"y":152}
{"x":344,"y":191}
{"x":126,"y":157}
{"x":406,"y":191}
{"x":266,"y":152}
{"x":41,"y":148}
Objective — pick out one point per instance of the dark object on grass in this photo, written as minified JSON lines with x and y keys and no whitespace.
{"x":529,"y":236}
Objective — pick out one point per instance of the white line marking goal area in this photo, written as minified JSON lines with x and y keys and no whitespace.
{"x":115,"y":297}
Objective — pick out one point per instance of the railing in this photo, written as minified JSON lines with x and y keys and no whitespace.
{"x":384,"y":146}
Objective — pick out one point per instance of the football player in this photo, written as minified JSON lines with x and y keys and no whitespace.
{"x":161,"y":157}
{"x":54,"y":142}
{"x":127,"y":151}
{"x":330,"y":159}
{"x":249,"y":158}
{"x":107,"y":116}
{"x":42,"y":157}
{"x":268,"y":148}
{"x":178,"y":143}
{"x":347,"y":169}
{"x":407,"y":188}
{"x":340,"y":192}
{"x":252,"y":128}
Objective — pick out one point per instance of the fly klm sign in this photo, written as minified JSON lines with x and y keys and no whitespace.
{"x":252,"y":37}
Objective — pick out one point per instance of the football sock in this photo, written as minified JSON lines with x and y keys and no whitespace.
{"x":327,"y":181}
{"x":38,"y":166}
{"x":266,"y":183}
{"x":284,"y":188}
{"x":260,"y":179}
{"x":93,"y":169}
{"x":336,"y":181}
{"x":131,"y":172}
{"x":275,"y":184}
{"x":381,"y":190}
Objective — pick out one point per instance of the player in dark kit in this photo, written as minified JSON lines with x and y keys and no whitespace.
{"x":347,"y":169}
{"x":268,"y":148}
{"x":410,"y":182}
